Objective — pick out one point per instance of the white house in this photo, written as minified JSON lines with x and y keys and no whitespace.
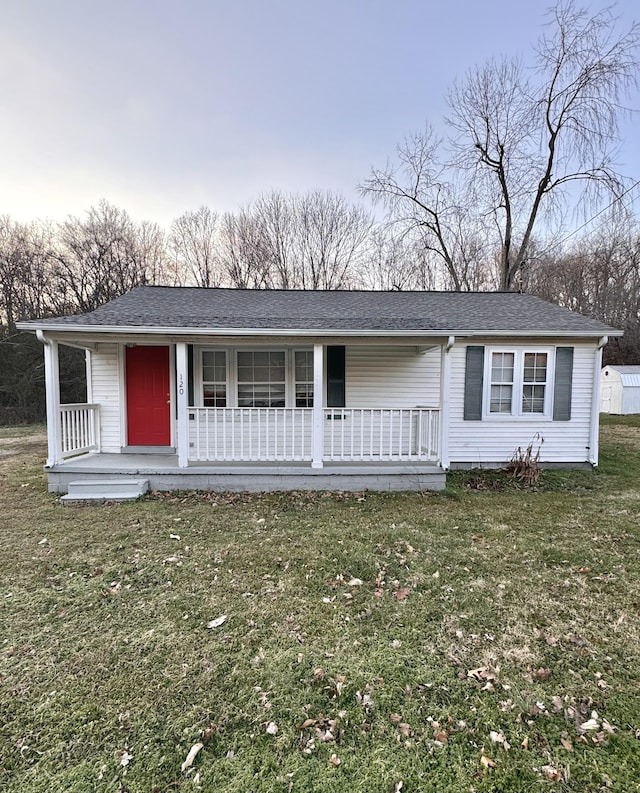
{"x":620,"y":389}
{"x":270,"y":389}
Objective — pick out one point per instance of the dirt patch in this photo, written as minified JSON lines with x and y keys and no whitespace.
{"x":621,"y":433}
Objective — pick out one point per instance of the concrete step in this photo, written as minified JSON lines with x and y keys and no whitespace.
{"x":105,"y":490}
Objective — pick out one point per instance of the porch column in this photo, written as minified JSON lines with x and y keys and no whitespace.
{"x":52,"y":387}
{"x":182,"y":397}
{"x":317,"y":431}
{"x":445,"y":400}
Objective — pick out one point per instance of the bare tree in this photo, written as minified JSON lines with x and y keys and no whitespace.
{"x":520,"y":147}
{"x":194,"y":246}
{"x":103,"y":256}
{"x":24,"y":278}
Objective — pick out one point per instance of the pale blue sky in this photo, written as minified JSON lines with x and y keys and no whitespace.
{"x":160,"y":106}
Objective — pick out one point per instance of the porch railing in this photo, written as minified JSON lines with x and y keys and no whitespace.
{"x":285,"y":434}
{"x":78,"y":429}
{"x":384,"y":434}
{"x":250,"y":434}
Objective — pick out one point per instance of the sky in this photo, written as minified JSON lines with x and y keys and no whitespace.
{"x":161,"y":106}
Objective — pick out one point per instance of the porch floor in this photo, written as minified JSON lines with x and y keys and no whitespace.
{"x":163,"y":473}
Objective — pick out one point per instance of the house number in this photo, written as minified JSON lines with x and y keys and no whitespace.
{"x":180,"y":384}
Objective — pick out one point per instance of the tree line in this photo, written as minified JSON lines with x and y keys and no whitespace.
{"x":529,"y":145}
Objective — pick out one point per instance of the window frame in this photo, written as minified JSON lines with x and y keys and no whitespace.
{"x":231,"y":354}
{"x":517,"y":412}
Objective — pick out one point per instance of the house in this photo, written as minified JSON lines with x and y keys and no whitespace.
{"x":620,"y":389}
{"x":278,"y":389}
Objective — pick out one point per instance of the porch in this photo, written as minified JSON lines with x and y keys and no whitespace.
{"x":265,"y":449}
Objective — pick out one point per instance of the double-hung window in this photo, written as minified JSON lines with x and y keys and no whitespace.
{"x":214,"y":378}
{"x":518,"y":383}
{"x":303,"y":378}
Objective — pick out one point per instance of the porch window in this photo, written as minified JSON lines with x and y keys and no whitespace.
{"x":303,"y":369}
{"x":261,"y":379}
{"x":214,"y":378}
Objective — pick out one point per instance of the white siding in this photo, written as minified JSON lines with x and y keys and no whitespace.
{"x":494,"y":440}
{"x":105,"y":383}
{"x":392,"y":377}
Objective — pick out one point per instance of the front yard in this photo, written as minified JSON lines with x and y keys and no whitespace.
{"x":481,"y":639}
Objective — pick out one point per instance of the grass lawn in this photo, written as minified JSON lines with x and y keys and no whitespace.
{"x":481,"y":639}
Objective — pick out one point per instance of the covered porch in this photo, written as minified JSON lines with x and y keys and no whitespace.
{"x":252,"y":447}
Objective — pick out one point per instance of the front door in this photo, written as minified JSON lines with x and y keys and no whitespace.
{"x":148,"y":396}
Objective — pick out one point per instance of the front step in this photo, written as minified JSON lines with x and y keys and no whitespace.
{"x":105,"y":490}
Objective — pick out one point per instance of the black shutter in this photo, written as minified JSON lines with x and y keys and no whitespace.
{"x":335,"y":377}
{"x":562,"y":385}
{"x":190,"y":388}
{"x":473,"y":377}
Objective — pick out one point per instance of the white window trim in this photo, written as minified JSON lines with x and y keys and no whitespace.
{"x":232,"y":371}
{"x":518,"y":377}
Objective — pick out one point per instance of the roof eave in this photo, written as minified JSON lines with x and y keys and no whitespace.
{"x":34,"y":325}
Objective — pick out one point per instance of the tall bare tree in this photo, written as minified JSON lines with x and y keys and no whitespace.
{"x":194,"y":245}
{"x":523,"y":142}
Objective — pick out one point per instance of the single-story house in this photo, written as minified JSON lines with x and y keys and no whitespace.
{"x":620,"y":389}
{"x":232,"y":389}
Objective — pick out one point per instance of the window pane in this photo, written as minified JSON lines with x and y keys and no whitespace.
{"x":215,"y":396}
{"x":533,"y":399}
{"x":535,"y":367}
{"x":500,"y":399}
{"x":304,"y":395}
{"x":502,"y":367}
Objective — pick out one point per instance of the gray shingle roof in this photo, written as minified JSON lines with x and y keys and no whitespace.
{"x":195,"y":308}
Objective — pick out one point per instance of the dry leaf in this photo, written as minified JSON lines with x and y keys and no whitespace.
{"x":191,"y":756}
{"x":307,"y":723}
{"x":441,"y":737}
{"x":567,"y":744}
{"x":402,"y":594}
{"x":552,"y":773}
{"x":272,"y":728}
{"x":355,"y":582}
{"x":487,"y":762}
{"x":217,"y":622}
{"x":395,"y":718}
{"x":525,"y":743}
{"x":541,"y":674}
{"x":334,"y":760}
{"x":405,"y":729}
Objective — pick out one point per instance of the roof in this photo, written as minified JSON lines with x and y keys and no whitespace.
{"x":156,"y":308}
{"x":629,"y":375}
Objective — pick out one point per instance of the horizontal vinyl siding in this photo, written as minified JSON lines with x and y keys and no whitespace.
{"x":105,"y":379}
{"x":496,"y":440}
{"x":398,"y":377}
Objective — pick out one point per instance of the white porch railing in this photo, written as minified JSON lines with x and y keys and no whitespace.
{"x":78,"y":429}
{"x":250,"y":434}
{"x":377,"y":434}
{"x":285,"y":434}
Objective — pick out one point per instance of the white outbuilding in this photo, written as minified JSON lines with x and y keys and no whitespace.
{"x":620,"y":389}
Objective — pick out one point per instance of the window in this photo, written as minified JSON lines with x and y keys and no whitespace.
{"x":214,"y":378}
{"x":303,"y":369}
{"x":534,"y":382}
{"x":518,"y":383}
{"x":501,"y":382}
{"x":261,"y":379}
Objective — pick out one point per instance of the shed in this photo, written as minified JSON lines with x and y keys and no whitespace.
{"x":620,"y":389}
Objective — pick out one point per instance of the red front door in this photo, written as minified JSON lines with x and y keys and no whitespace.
{"x":148,"y":396}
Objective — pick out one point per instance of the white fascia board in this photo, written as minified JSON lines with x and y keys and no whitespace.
{"x":307,"y":332}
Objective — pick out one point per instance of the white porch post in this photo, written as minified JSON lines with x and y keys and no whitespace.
{"x":317,"y":436}
{"x":445,"y":399}
{"x":182,"y":396}
{"x":52,"y":387}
